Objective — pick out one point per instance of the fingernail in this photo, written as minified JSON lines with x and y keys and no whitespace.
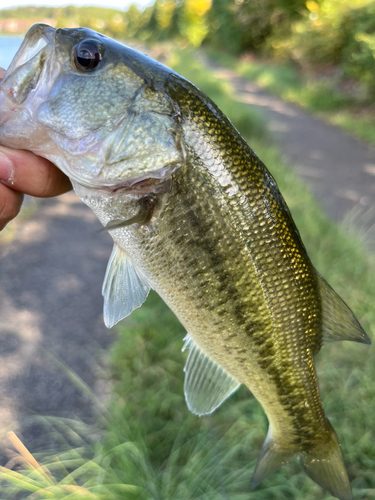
{"x":6,"y":169}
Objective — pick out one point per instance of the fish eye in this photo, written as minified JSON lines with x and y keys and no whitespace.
{"x":87,"y":55}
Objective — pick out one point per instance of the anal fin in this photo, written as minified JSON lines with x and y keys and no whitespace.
{"x":124,"y":289}
{"x":207,"y":384}
{"x":271,"y":458}
{"x":339,"y":323}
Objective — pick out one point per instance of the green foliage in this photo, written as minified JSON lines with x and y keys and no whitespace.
{"x":248,"y":24}
{"x":185,"y":20}
{"x":315,"y":33}
{"x":164,"y":20}
{"x":112,"y":22}
{"x":78,"y":472}
{"x":224,"y":29}
{"x":193,"y":24}
{"x":358,"y":53}
{"x":28,"y":12}
{"x":361,"y":125}
{"x":163,"y":23}
{"x":321,"y":32}
{"x":284,"y":80}
{"x":260,"y":19}
{"x":336,"y":33}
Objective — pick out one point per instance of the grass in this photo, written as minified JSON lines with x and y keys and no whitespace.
{"x":317,"y":95}
{"x":153,"y":448}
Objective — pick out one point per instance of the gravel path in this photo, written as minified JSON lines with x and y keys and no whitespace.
{"x":51,"y":274}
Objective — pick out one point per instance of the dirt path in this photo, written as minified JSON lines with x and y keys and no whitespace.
{"x":51,"y":274}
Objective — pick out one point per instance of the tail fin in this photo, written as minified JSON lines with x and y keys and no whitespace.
{"x":322,"y":463}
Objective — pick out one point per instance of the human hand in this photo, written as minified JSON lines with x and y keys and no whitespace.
{"x":22,"y":172}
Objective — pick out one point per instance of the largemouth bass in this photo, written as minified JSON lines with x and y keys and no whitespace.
{"x":195,"y":215}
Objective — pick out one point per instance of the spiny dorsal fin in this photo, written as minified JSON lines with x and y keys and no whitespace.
{"x":207,"y":385}
{"x":339,"y":323}
{"x":124,"y":289}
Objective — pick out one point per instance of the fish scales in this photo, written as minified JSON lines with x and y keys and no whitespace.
{"x":273,"y":246}
{"x":195,"y":215}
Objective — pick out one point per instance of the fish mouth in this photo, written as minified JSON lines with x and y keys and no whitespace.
{"x":25,"y":70}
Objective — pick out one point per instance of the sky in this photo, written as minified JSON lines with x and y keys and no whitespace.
{"x":119,"y":4}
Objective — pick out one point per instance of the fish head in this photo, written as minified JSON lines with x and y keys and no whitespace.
{"x":96,"y":108}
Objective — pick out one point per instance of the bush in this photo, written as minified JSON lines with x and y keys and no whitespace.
{"x":336,"y":33}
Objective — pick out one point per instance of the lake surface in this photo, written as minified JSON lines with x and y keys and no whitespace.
{"x":8,"y":47}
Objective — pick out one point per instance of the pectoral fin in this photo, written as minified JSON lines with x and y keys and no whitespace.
{"x":339,"y":323}
{"x":207,"y":385}
{"x":143,"y":216}
{"x":124,"y":288}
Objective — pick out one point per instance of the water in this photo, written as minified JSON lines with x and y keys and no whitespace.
{"x":8,"y":47}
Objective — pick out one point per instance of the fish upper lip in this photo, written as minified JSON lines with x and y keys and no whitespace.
{"x":36,"y":46}
{"x":38,"y":36}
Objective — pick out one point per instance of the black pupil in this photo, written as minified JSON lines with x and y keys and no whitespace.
{"x":88,"y":55}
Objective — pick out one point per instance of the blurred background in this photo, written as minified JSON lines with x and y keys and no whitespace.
{"x":327,"y":38}
{"x":103,"y":411}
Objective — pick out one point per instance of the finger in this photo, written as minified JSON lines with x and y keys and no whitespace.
{"x":2,"y":72}
{"x":10,"y":205}
{"x":30,"y":174}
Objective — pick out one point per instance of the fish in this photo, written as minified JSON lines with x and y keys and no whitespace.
{"x":196,"y":216}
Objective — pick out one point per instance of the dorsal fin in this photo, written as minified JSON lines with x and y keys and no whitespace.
{"x":339,"y":323}
{"x":207,"y":384}
{"x":124,"y":289}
